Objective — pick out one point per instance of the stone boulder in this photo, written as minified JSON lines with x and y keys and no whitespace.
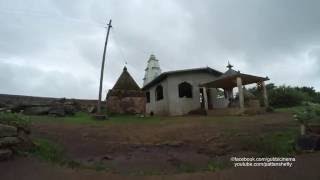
{"x":37,"y":110}
{"x":25,"y":143}
{"x":308,"y":143}
{"x":62,"y":110}
{"x":5,"y":154}
{"x":7,"y":131}
{"x":69,"y":109}
{"x":13,"y":139}
{"x":9,"y":141}
{"x":57,"y":112}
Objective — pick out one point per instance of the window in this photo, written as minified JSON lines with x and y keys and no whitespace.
{"x":185,"y":90}
{"x":159,"y":93}
{"x":148,"y":96}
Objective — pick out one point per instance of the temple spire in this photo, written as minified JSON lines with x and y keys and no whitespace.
{"x":125,"y":66}
{"x":152,"y":71}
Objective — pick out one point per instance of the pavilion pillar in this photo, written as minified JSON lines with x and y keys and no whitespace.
{"x":265,"y":94}
{"x":205,"y":98}
{"x":229,"y":93}
{"x":240,"y":91}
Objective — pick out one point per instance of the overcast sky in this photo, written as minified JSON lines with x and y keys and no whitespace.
{"x":54,"y":47}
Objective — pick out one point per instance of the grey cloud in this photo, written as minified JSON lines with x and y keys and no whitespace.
{"x":62,"y":41}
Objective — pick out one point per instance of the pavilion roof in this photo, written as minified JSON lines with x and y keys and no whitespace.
{"x":229,"y":79}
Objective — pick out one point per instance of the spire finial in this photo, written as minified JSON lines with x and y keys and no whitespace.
{"x":125,"y":66}
{"x":229,"y":66}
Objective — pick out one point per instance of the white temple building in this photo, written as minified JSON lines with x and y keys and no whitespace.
{"x":152,"y":71}
{"x":195,"y":90}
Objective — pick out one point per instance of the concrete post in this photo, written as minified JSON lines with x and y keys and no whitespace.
{"x":205,"y":98}
{"x":240,"y":91}
{"x":229,"y":93}
{"x":265,"y":94}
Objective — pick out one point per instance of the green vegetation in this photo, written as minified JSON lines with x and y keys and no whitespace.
{"x":80,"y":117}
{"x":309,"y":112}
{"x":287,"y":96}
{"x":133,"y":119}
{"x":48,"y":151}
{"x":273,"y":144}
{"x":54,"y":153}
{"x":186,"y":168}
{"x":14,"y":119}
{"x":217,"y":165}
{"x":86,"y":118}
{"x":307,"y":115}
{"x":183,"y":167}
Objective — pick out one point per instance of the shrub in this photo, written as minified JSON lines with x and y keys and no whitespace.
{"x":270,"y":109}
{"x":272,"y":144}
{"x":308,"y":113}
{"x":285,"y":96}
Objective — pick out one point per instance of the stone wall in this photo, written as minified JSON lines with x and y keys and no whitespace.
{"x":126,"y":105}
{"x":13,"y":139}
{"x":14,"y":100}
{"x":18,"y":99}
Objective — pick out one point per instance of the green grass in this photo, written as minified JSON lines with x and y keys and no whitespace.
{"x":212,"y":166}
{"x":85,"y":118}
{"x":133,"y":119}
{"x":217,"y":165}
{"x":299,"y":111}
{"x":296,"y":109}
{"x":48,"y":151}
{"x":80,"y":117}
{"x":290,"y":109}
{"x":14,"y":119}
{"x":275,"y":144}
{"x":186,"y":168}
{"x":54,"y":153}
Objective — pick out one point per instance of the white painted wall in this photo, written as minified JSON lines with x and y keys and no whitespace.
{"x":172,"y":104}
{"x":221,"y":103}
{"x":158,"y":107}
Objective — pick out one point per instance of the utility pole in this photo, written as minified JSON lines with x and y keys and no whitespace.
{"x":102,"y":67}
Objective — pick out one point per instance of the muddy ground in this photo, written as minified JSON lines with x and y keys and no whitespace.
{"x":175,"y":148}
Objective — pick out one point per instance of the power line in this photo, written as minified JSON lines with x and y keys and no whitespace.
{"x":119,"y":46}
{"x":144,"y":52}
{"x":52,"y":16}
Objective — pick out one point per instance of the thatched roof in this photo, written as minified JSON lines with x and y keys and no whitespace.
{"x":126,"y":82}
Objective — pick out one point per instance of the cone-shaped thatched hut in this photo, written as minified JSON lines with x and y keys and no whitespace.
{"x":126,"y":96}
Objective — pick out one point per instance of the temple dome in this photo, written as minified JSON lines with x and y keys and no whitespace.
{"x":125,"y":82}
